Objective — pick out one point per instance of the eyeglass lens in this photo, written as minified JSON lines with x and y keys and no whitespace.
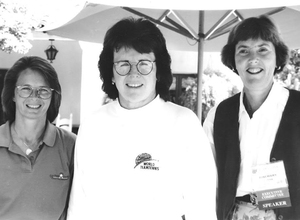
{"x":144,"y":67}
{"x":42,"y":92}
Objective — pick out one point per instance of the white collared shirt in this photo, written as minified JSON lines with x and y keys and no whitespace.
{"x":256,"y":134}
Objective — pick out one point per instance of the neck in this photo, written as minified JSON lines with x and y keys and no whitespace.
{"x":27,"y":135}
{"x":29,"y":130}
{"x":254,"y":99}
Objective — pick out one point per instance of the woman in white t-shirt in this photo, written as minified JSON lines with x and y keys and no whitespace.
{"x":141,"y":157}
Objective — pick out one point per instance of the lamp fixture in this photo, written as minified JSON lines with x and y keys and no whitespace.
{"x":51,"y":51}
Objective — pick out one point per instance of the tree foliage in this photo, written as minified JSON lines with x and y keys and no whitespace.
{"x":290,"y":76}
{"x":16,"y":25}
{"x":216,"y":86}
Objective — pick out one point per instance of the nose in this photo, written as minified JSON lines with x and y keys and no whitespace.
{"x":34,"y":93}
{"x":253,"y":59}
{"x":134,"y":70}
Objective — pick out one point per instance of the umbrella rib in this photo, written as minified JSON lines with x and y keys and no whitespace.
{"x":185,"y":25}
{"x":221,"y":30}
{"x":158,"y":22}
{"x":237,"y":14}
{"x":164,"y":15}
{"x":178,"y":26}
{"x":215,"y":35}
{"x":275,"y":11}
{"x":220,"y":21}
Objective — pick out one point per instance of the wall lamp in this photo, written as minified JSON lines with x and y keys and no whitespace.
{"x":51,"y":51}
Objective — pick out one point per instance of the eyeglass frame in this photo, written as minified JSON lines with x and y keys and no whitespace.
{"x":37,"y":89}
{"x":136,"y":65}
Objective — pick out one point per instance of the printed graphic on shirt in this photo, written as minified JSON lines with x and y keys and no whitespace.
{"x":145,"y":161}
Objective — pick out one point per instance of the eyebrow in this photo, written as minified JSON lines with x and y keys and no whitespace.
{"x":260,"y":45}
{"x":121,"y":61}
{"x":145,"y":59}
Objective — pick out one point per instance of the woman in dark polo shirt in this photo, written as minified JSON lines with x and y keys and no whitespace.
{"x":36,"y":158}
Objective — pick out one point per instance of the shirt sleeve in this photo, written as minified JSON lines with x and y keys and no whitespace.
{"x":200,"y":175}
{"x":208,"y":127}
{"x":78,"y":209}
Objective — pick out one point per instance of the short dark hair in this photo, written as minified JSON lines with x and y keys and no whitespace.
{"x":43,"y":67}
{"x":144,"y":37}
{"x":255,"y":28}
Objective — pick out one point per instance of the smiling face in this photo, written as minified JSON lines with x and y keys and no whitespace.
{"x":135,"y":90}
{"x":255,"y":62}
{"x":31,"y":107}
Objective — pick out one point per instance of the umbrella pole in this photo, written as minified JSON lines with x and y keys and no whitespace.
{"x":200,"y":64}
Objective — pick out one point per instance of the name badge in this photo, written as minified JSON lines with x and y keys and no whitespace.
{"x":271,"y":186}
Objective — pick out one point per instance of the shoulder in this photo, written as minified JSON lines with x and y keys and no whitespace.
{"x":55,"y":135}
{"x":228,"y":105}
{"x":292,"y":106}
{"x":66,"y":135}
{"x":5,"y":134}
{"x":183,"y":119}
{"x":178,"y":113}
{"x":177,"y":109}
{"x":293,"y":98}
{"x":4,"y":129}
{"x":223,"y":108}
{"x":294,"y":94}
{"x":231,"y":100}
{"x":102,"y":112}
{"x":65,"y":140}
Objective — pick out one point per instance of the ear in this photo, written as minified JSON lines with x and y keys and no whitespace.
{"x":113,"y":81}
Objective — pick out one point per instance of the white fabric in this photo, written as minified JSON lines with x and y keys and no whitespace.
{"x":256,"y":134}
{"x":109,"y":185}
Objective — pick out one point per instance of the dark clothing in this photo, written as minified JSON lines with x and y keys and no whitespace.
{"x":286,"y":147}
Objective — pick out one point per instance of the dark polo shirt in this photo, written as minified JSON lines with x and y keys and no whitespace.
{"x":36,"y":187}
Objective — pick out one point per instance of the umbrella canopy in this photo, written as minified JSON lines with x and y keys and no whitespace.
{"x":196,"y":28}
{"x":197,"y":5}
{"x":94,"y":20}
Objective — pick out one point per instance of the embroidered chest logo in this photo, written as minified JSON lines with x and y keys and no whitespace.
{"x":145,"y":162}
{"x":61,"y":176}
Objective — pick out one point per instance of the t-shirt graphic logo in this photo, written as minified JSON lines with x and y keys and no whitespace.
{"x":146,"y":162}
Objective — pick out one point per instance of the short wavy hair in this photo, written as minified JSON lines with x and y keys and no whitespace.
{"x":144,"y":37}
{"x":255,"y":28}
{"x":39,"y":65}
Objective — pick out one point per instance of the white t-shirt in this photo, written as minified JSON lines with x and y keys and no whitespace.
{"x":150,"y":163}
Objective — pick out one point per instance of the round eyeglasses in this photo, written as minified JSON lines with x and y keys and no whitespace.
{"x":144,"y":67}
{"x":42,"y":92}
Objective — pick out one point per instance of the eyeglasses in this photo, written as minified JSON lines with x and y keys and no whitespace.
{"x":42,"y":92}
{"x":144,"y":67}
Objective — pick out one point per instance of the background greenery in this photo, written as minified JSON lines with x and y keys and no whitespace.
{"x":213,"y":80}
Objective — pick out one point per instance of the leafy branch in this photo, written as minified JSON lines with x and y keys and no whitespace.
{"x":16,"y":26}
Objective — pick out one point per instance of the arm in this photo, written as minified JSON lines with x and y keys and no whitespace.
{"x":200,"y":175}
{"x":208,"y":127}
{"x":77,"y":201}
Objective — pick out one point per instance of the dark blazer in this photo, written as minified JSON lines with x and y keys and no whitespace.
{"x":286,"y":147}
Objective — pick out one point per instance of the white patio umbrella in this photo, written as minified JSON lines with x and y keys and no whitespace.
{"x":199,"y":27}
